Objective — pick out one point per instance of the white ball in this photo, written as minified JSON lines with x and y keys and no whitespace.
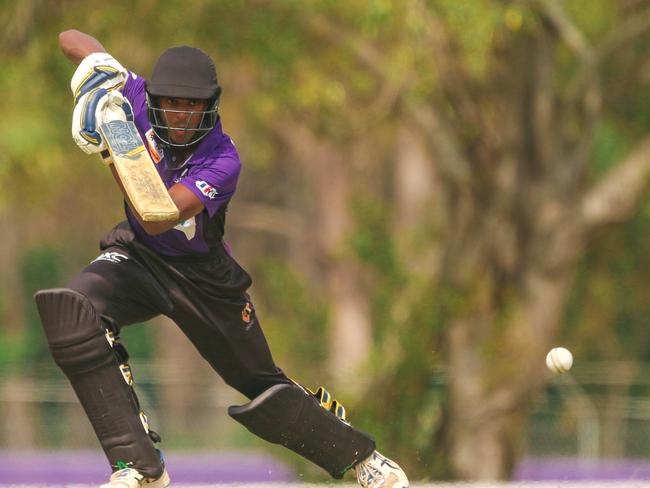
{"x":559,"y":360}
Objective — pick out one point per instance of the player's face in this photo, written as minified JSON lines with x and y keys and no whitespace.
{"x":178,"y":113}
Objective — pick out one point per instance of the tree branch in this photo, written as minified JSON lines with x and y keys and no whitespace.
{"x":584,"y":91}
{"x":444,"y":144}
{"x":628,"y":31}
{"x":543,"y":117}
{"x":577,"y":42}
{"x":303,"y":143}
{"x":613,"y":199}
{"x":366,"y":54}
{"x":391,"y":88}
{"x":454,"y":80}
{"x":568,"y":31}
{"x":16,"y":25}
{"x":267,"y":218}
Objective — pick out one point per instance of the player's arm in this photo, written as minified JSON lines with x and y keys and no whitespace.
{"x":188,"y":205}
{"x":97,"y":74}
{"x":95,"y":86}
{"x":76,"y":45}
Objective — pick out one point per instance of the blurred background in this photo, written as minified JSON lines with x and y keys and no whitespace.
{"x":434,"y":194}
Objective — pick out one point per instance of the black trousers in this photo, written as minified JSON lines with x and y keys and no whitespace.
{"x":205,"y":296}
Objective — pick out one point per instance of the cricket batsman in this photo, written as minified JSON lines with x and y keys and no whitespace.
{"x":182,"y":269}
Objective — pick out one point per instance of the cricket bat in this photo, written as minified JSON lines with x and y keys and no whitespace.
{"x":137,"y":172}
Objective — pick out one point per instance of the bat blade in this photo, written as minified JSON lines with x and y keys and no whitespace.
{"x":137,"y":172}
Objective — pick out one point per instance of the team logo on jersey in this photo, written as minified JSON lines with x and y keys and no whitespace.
{"x":111,"y":257}
{"x":246,"y":313}
{"x":156,"y":152}
{"x":207,"y":189}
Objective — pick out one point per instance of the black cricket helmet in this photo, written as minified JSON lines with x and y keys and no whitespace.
{"x":183,"y":72}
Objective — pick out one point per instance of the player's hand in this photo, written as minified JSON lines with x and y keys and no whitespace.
{"x":97,"y":70}
{"x":92,"y":109}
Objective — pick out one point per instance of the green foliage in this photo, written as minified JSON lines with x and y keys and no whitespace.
{"x":12,"y":351}
{"x":40,"y":269}
{"x":374,"y":246}
{"x":408,"y":314}
{"x":608,"y":311}
{"x":474,"y":25}
{"x":139,"y":340}
{"x":407,"y":394}
{"x":610,"y":145}
{"x":594,"y":18}
{"x":293,"y":319}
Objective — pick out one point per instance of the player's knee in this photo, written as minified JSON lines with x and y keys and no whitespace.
{"x":251,"y":388}
{"x":252,"y":385}
{"x":75,"y":334}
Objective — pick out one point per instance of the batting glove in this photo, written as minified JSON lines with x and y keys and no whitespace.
{"x":92,"y":109}
{"x":97,"y":70}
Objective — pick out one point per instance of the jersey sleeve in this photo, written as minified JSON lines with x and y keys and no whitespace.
{"x":213,"y":183}
{"x":133,"y":91}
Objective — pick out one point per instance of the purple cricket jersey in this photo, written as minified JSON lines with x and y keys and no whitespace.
{"x":211,"y":173}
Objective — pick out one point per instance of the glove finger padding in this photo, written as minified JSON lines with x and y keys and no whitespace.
{"x":117,"y":108}
{"x":97,"y":70}
{"x":95,"y":108}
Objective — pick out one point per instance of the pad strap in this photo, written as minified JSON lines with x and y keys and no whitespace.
{"x":325,"y":399}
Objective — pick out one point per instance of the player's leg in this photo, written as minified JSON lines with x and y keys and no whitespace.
{"x":314,"y":425}
{"x":82,"y":324}
{"x":221,"y":322}
{"x":281,"y":411}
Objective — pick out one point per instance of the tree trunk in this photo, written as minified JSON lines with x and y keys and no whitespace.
{"x":19,"y":413}
{"x":327,"y":171}
{"x":493,"y":380}
{"x":511,"y":311}
{"x":186,"y":383}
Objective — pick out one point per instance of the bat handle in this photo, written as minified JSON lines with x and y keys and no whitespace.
{"x":106,"y":157}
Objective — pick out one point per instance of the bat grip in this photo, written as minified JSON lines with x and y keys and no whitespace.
{"x":106,"y":157}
